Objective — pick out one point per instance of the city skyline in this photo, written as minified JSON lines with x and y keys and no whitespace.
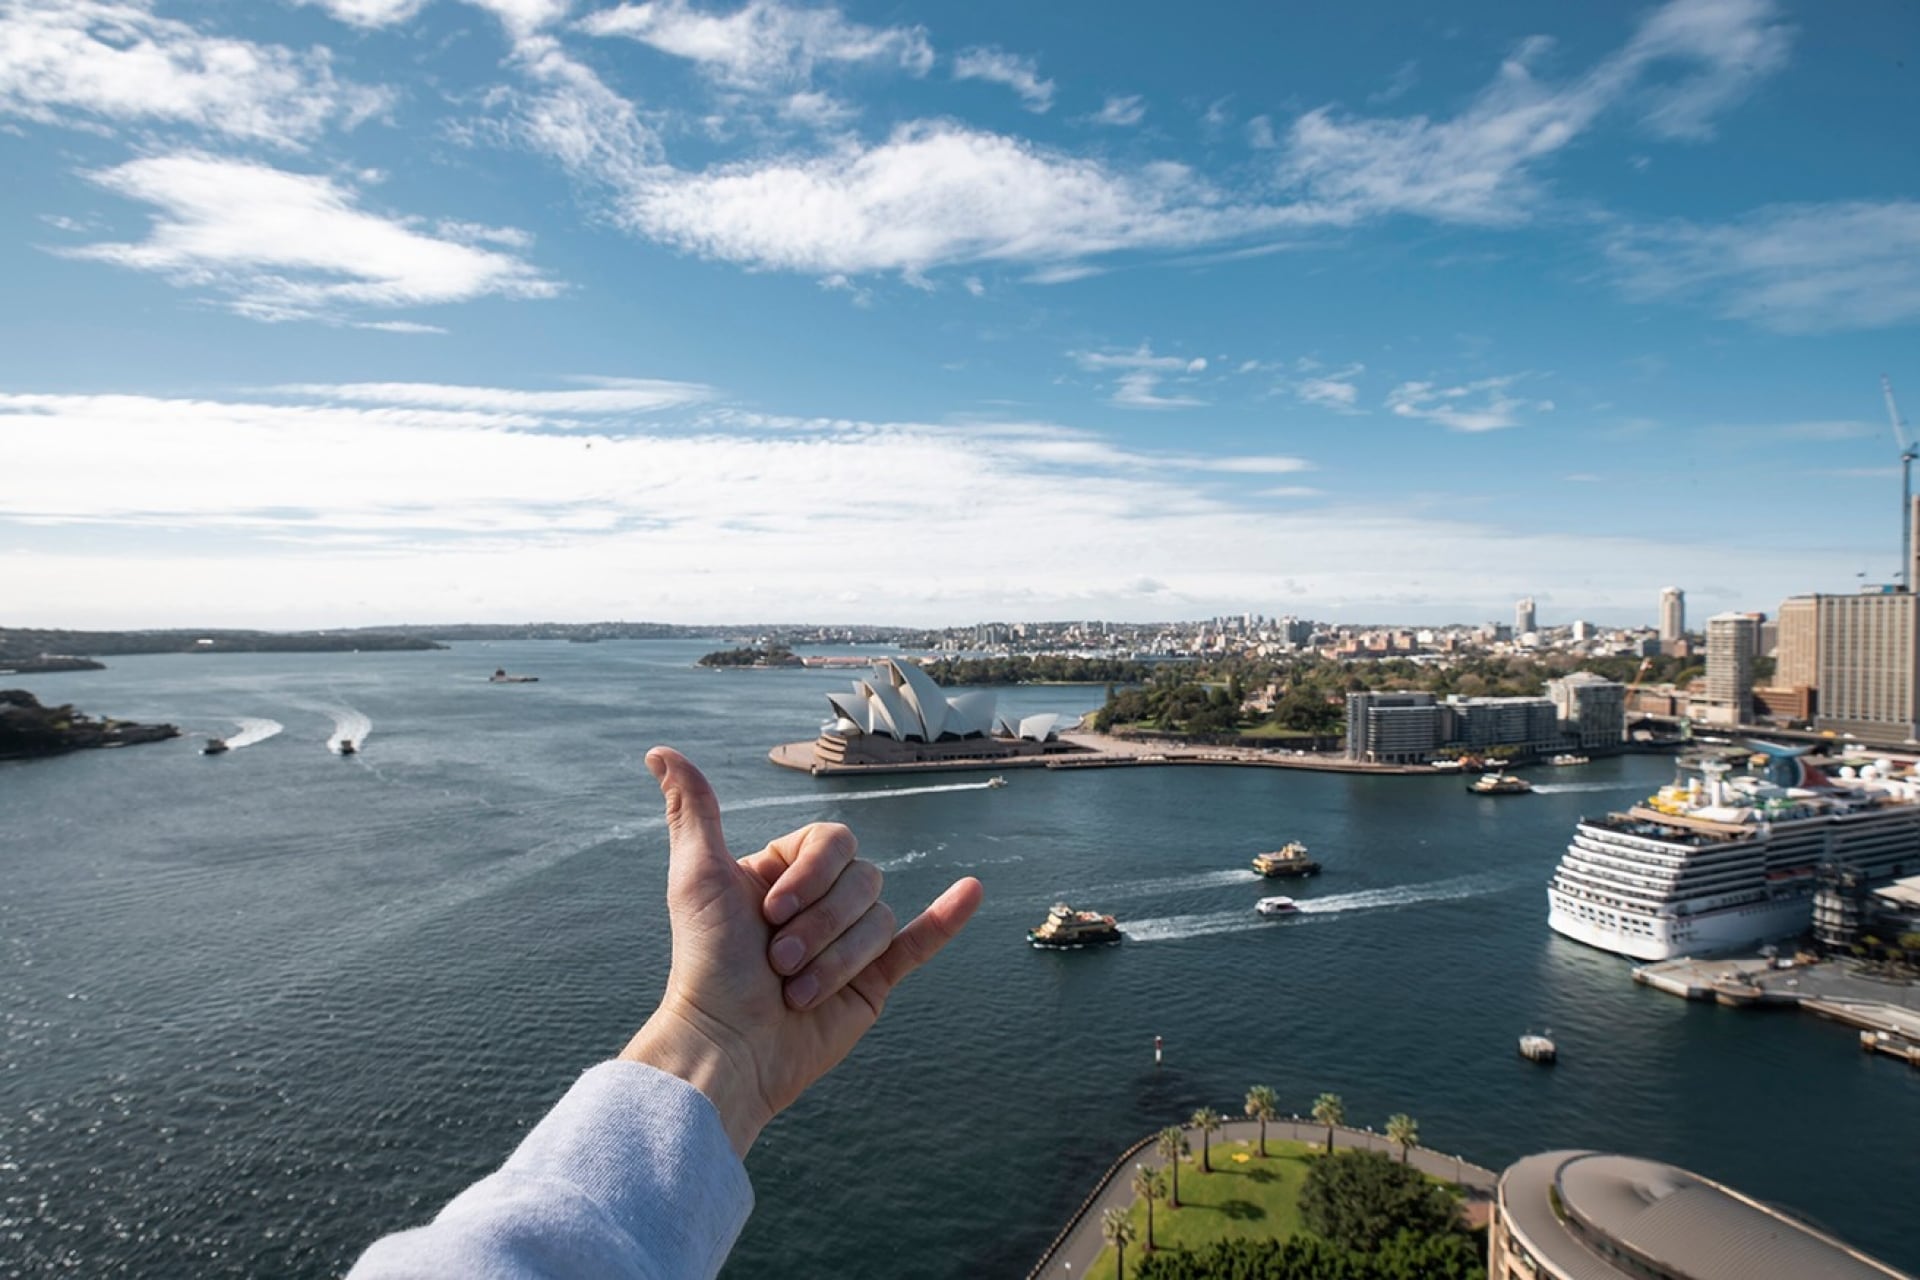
{"x":351,"y":312}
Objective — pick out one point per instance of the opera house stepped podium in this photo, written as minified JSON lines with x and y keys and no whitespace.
{"x":899,"y":717}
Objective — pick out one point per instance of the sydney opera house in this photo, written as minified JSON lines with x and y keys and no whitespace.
{"x":898,"y":715}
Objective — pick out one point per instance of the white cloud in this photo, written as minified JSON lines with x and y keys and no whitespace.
{"x":1807,"y":268}
{"x":81,"y":62}
{"x":1141,"y":374}
{"x":1334,"y":390}
{"x":483,"y":514}
{"x":369,"y":13}
{"x":279,"y":245}
{"x":1022,"y":75}
{"x":1121,"y":111}
{"x":571,"y":115}
{"x":604,"y":396}
{"x":1260,"y":134}
{"x":1476,"y":167}
{"x":817,"y":110}
{"x":932,"y":194}
{"x":766,"y":44}
{"x":1485,"y":405}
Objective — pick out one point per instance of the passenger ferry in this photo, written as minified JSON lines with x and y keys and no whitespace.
{"x":1290,"y":860}
{"x":1067,"y":929}
{"x":1499,"y":784}
{"x":1714,"y":863}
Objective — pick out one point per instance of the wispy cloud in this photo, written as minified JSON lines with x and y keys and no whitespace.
{"x":1485,"y":405}
{"x":369,"y":13}
{"x":605,"y":396}
{"x":1477,"y":167}
{"x":1018,"y":73}
{"x":1803,"y":268}
{"x":1141,"y":374}
{"x":765,"y":44}
{"x":1121,"y":111}
{"x":279,"y":245}
{"x":1335,"y":389}
{"x":94,"y":62}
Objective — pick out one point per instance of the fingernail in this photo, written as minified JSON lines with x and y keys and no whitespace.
{"x":787,"y":954}
{"x":802,"y":990}
{"x":782,"y":909}
{"x":657,"y":766}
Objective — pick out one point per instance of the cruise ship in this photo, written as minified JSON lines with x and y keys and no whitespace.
{"x":1715,"y":862}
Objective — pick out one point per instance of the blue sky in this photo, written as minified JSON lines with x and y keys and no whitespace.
{"x":354,"y":311}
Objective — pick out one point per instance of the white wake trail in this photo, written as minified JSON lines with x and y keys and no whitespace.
{"x":1167,"y":884}
{"x":1173,"y":928}
{"x":252,"y":729}
{"x":847,"y":797}
{"x":1570,"y":788}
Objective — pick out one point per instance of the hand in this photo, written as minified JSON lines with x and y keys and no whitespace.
{"x":781,"y":959}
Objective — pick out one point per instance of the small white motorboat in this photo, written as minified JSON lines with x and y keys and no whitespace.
{"x":1277,"y":907}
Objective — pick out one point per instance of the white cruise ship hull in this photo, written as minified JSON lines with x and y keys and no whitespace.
{"x":1665,"y":938}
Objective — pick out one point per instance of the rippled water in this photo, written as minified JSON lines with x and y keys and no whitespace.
{"x":258,"y":1008}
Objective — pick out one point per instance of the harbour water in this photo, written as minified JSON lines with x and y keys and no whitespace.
{"x":259,"y":1008}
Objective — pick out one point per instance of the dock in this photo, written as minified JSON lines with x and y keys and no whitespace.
{"x":1884,"y":1009}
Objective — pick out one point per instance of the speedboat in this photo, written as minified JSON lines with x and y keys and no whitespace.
{"x":346,"y":747}
{"x":996,"y":781}
{"x":1277,"y":907}
{"x":214,"y":747}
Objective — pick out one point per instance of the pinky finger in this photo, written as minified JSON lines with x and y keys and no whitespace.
{"x":931,"y":930}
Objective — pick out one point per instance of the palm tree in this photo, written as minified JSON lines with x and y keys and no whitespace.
{"x":1329,"y":1111}
{"x":1262,"y":1106}
{"x":1172,"y":1144}
{"x":1405,"y":1130}
{"x":1118,"y":1229}
{"x":1149,"y":1185}
{"x":1207,"y":1121}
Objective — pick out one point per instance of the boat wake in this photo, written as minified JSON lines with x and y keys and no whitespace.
{"x":348,"y":725}
{"x":818,"y":799}
{"x":252,"y":729}
{"x":1173,"y":928}
{"x":1571,"y":788}
{"x":1165,"y":884}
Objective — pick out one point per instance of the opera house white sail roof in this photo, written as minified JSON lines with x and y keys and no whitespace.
{"x":902,"y":702}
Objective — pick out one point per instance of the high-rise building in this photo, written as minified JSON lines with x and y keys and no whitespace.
{"x":1393,"y":728}
{"x":1731,"y":641}
{"x":1523,"y":618}
{"x":1591,"y":708}
{"x":1797,"y":666}
{"x":1673,"y":615}
{"x":1867,"y":666}
{"x":1582,"y":630}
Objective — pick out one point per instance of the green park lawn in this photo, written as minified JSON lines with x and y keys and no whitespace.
{"x":1254,"y":1200}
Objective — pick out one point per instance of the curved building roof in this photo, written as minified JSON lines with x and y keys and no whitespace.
{"x":1625,"y":1216}
{"x":901,"y":701}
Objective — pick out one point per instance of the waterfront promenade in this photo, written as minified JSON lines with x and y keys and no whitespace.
{"x":1080,"y":1241}
{"x":1098,"y":751}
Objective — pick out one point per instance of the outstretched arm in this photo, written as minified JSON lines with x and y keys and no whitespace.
{"x":781,"y":961}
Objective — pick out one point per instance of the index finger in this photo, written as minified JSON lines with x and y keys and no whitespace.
{"x":931,"y":930}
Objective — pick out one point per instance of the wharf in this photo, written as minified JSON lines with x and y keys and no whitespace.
{"x":1097,"y":751}
{"x":1829,"y":989}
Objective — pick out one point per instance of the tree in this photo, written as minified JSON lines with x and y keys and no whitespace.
{"x":1207,"y":1121}
{"x":1172,"y":1144}
{"x":1362,"y":1199}
{"x":1329,"y":1111}
{"x":1149,"y":1185}
{"x":1262,"y":1106}
{"x":1118,"y":1230}
{"x":1404,"y":1130}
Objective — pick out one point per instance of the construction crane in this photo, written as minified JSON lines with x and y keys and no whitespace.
{"x":1907,"y":454}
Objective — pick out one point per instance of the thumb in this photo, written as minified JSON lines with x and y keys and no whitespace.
{"x":695,"y":841}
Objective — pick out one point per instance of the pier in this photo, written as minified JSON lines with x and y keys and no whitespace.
{"x":1878,"y":1007}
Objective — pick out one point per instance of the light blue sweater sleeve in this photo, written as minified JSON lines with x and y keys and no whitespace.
{"x":630,"y":1175}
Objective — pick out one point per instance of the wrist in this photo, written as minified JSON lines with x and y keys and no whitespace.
{"x":678,"y":1043}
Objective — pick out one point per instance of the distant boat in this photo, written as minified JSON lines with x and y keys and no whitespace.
{"x":1500,"y":784}
{"x":996,"y":781}
{"x":1569,"y":758}
{"x":214,"y":747}
{"x":1066,"y":929}
{"x":346,"y":747}
{"x":1277,"y":907}
{"x":1538,"y":1048}
{"x":1292,"y":860}
{"x":500,"y":676}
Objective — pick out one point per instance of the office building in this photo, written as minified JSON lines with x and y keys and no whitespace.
{"x":1732,"y":639}
{"x":1523,"y":618}
{"x":1393,"y":728}
{"x":1796,"y":666}
{"x":1673,"y":617}
{"x":1592,"y":709}
{"x":1867,"y":670}
{"x":1524,"y":724}
{"x":1582,"y":631}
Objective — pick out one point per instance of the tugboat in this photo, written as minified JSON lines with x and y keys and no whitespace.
{"x":1066,"y":929}
{"x":1289,"y":861}
{"x":1500,"y":784}
{"x":214,"y":747}
{"x":1277,"y":907}
{"x":346,"y":747}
